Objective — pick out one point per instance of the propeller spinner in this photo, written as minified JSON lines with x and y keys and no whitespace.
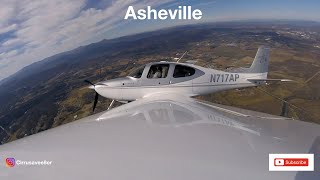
{"x":96,"y":96}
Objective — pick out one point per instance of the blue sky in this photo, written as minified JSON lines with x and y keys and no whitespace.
{"x":31,"y":30}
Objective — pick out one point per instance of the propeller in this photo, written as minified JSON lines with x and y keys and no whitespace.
{"x":95,"y":101}
{"x":95,"y":98}
{"x":89,"y":82}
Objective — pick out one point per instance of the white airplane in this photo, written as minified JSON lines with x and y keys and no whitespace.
{"x":180,"y":78}
{"x":166,"y":134}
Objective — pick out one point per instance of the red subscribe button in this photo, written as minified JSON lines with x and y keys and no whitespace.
{"x":291,"y":162}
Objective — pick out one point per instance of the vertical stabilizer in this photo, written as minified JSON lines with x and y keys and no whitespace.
{"x":260,"y":63}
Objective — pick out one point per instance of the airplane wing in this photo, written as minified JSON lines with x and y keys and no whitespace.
{"x":163,"y":137}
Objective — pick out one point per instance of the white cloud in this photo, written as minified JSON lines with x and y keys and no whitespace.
{"x":6,"y":55}
{"x":7,"y":11}
{"x":11,"y":42}
{"x":9,"y":28}
{"x":42,"y":28}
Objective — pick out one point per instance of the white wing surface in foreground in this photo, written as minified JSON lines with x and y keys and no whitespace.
{"x":164,"y":138}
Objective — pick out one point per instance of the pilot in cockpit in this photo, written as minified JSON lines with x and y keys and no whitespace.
{"x":157,"y":73}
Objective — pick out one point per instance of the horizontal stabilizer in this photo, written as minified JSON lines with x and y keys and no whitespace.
{"x":281,"y":80}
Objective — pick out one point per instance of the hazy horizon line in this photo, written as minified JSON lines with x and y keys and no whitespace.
{"x":167,"y":28}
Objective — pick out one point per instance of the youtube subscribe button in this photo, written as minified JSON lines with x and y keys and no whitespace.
{"x":291,"y":162}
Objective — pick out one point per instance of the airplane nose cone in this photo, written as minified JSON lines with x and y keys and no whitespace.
{"x":91,"y":87}
{"x":99,"y":87}
{"x":102,"y":90}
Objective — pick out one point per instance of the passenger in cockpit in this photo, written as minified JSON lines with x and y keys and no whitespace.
{"x":158,"y":73}
{"x":164,"y":71}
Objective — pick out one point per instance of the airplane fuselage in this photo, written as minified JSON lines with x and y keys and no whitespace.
{"x":198,"y":81}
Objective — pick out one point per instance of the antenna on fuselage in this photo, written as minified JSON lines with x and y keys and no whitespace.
{"x":182,"y":56}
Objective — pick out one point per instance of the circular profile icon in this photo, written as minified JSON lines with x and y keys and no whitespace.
{"x":10,"y":162}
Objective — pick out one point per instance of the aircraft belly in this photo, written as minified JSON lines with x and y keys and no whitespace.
{"x":207,"y":88}
{"x":111,"y":93}
{"x":187,"y":90}
{"x":131,"y":94}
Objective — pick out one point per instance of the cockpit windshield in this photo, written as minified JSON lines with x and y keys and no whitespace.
{"x":137,"y":73}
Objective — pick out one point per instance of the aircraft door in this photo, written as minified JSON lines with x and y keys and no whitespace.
{"x":183,"y":75}
{"x":158,"y":74}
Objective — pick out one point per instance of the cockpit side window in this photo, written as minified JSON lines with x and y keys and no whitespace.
{"x":158,"y":71}
{"x":183,"y":71}
{"x":137,"y":73}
